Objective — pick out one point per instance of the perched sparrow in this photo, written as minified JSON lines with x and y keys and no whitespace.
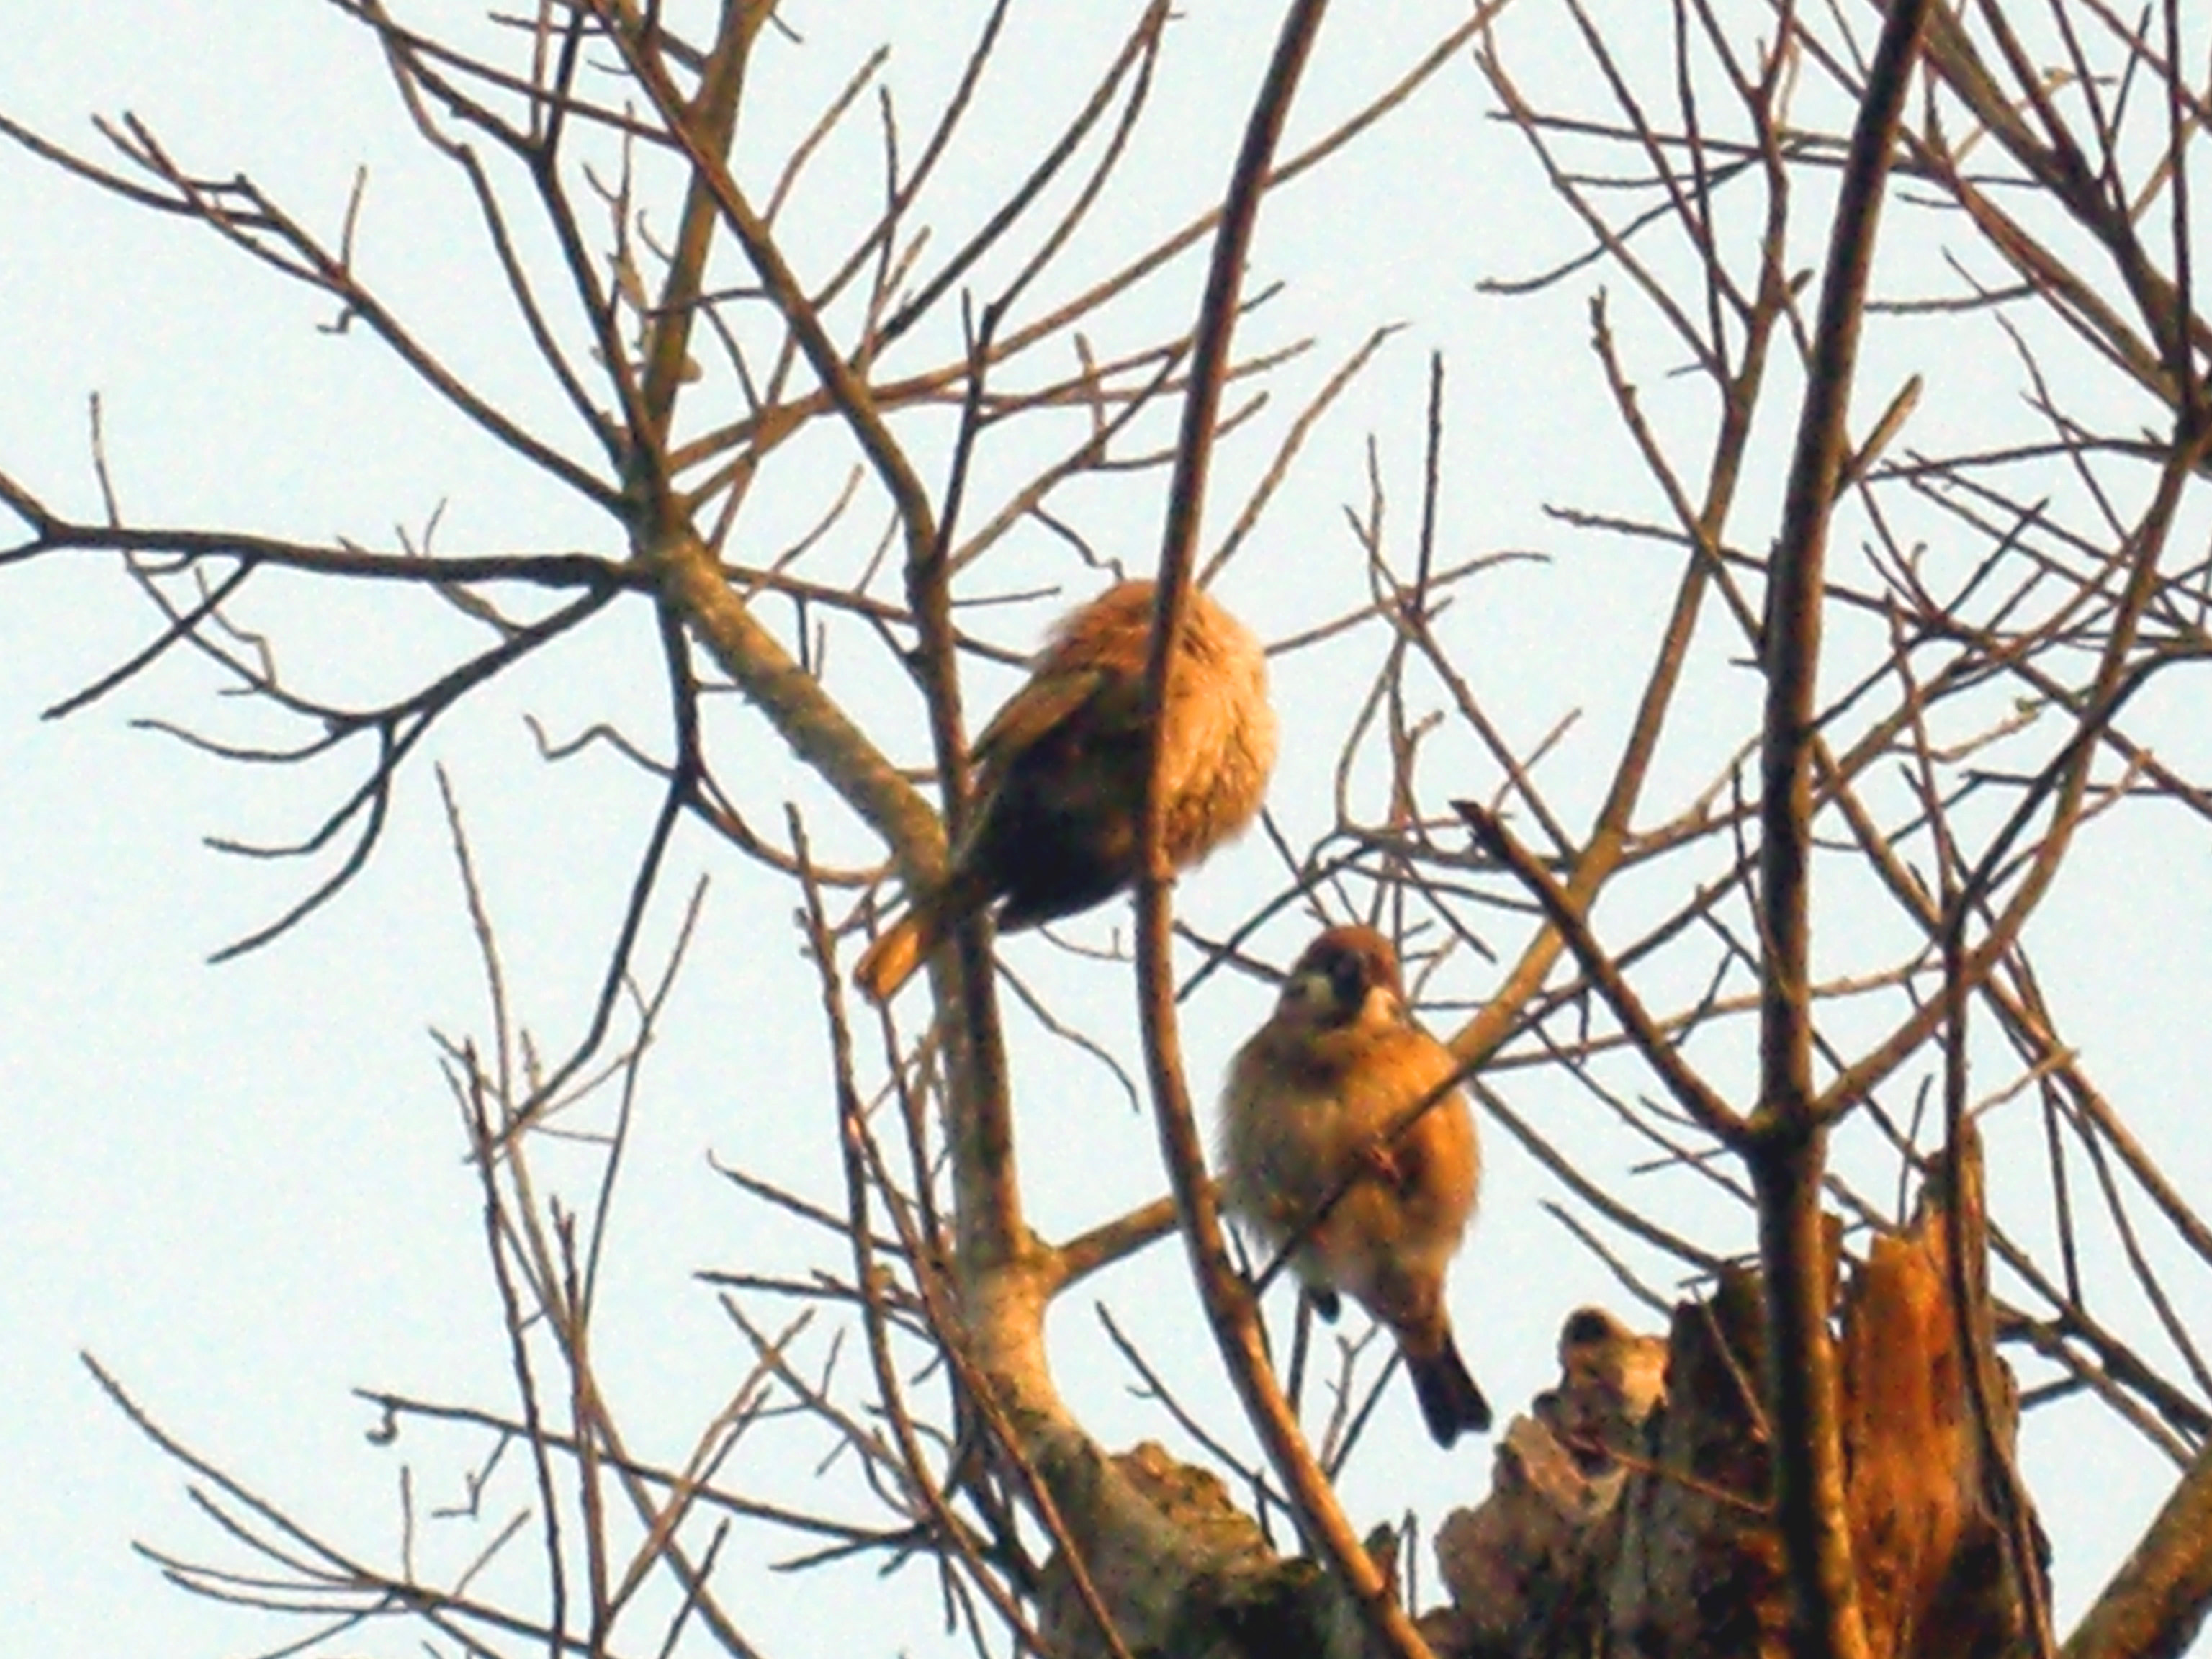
{"x":1055,"y":829}
{"x":1311,"y":1102}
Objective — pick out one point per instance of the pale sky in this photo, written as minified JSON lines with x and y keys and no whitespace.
{"x":240,"y":1186}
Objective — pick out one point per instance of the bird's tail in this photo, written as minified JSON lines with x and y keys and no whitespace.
{"x":891,"y":960}
{"x":897,"y":954}
{"x":1450,"y":1401}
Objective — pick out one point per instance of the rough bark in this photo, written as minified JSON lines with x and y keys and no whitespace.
{"x":1240,"y":1601}
{"x":1632,"y":1515}
{"x":2156,"y":1602}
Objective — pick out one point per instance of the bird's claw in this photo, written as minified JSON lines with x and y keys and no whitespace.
{"x":1383,"y":1164}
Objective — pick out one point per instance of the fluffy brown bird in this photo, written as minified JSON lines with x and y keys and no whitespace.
{"x":1309,"y":1101}
{"x":1059,"y":767}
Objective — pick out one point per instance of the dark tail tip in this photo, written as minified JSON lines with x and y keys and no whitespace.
{"x":1450,"y":1401}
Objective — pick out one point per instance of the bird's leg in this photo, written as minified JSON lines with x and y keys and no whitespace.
{"x":1380,"y":1159}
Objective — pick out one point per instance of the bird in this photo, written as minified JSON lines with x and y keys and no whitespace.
{"x":1308,"y":1114}
{"x":1058,"y":773}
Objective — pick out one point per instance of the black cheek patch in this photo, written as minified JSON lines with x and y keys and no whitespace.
{"x":1347,"y":983}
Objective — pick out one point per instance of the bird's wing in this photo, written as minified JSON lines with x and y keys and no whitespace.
{"x":1046,"y":703}
{"x":1400,"y":1067}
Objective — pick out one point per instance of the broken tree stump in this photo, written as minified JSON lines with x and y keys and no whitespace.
{"x":1630,"y":1513}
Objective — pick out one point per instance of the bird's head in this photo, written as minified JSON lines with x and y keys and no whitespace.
{"x":1347,"y":975}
